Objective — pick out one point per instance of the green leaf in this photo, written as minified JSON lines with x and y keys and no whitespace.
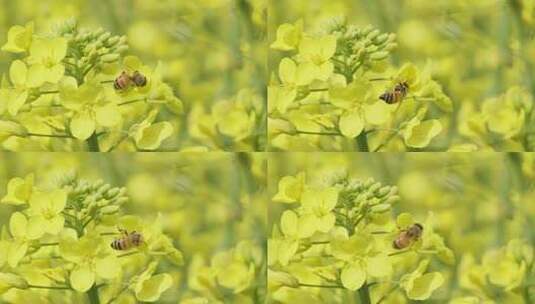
{"x":351,"y":124}
{"x":82,"y":278}
{"x":150,"y":290}
{"x":353,"y":276}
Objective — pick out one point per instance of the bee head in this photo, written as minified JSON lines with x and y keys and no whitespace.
{"x":383,"y":97}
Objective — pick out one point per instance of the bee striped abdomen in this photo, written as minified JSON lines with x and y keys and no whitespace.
{"x":122,"y":82}
{"x":120,"y":244}
{"x":407,"y":237}
{"x":397,"y":95}
{"x":128,"y":241}
{"x":390,"y":97}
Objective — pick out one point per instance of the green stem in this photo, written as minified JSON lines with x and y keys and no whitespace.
{"x":92,"y":294}
{"x":321,"y":286}
{"x":526,"y":295}
{"x":127,"y":254}
{"x":318,"y":133}
{"x":362,"y":142}
{"x":387,"y":294}
{"x":49,"y":287}
{"x":516,"y":7}
{"x":92,"y":143}
{"x":50,"y":135}
{"x":398,"y":252}
{"x":131,"y":101}
{"x":48,"y":244}
{"x":319,"y":90}
{"x":364,"y":294}
{"x":320,"y":243}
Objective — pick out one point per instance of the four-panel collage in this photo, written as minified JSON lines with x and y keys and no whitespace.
{"x":267,"y":151}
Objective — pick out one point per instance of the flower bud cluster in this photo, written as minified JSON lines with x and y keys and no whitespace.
{"x":358,"y":47}
{"x":90,"y":48}
{"x":91,"y":200}
{"x":360,"y":199}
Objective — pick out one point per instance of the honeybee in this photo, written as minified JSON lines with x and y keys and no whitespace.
{"x":139,"y":79}
{"x":400,"y":91}
{"x":408,"y":236}
{"x":127,"y":240}
{"x":122,"y":82}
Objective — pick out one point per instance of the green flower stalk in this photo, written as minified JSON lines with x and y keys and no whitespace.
{"x":66,"y":231}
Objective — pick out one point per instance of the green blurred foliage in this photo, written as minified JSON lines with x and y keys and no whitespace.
{"x":480,"y":52}
{"x":481,"y":204}
{"x":211,"y":206}
{"x":212,"y":54}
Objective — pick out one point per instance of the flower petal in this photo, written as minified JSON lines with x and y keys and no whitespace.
{"x":82,"y":125}
{"x":82,"y":278}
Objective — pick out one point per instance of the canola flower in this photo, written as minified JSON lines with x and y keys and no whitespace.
{"x":328,"y":90}
{"x":338,"y":237}
{"x":60,"y":94}
{"x":59,"y":242}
